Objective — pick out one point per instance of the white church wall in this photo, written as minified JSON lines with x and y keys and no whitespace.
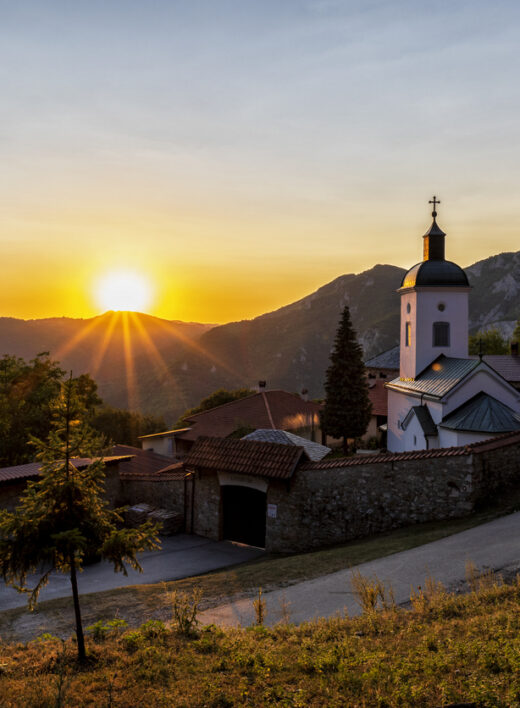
{"x":398,"y":406}
{"x":419,"y":352}
{"x":408,"y":348}
{"x":455,"y":438}
{"x":455,"y":312}
{"x":483,"y":380}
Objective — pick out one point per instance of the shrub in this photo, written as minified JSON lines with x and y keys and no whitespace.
{"x":185,"y":607}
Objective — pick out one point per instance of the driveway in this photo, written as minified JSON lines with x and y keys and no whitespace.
{"x":493,"y":545}
{"x":180,"y":557}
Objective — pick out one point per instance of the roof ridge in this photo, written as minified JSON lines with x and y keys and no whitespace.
{"x":268,"y":409}
{"x":504,"y":439}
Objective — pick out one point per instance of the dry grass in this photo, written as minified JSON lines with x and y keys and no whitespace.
{"x":450,"y":649}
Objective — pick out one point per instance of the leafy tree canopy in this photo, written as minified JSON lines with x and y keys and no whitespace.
{"x":516,"y":333}
{"x":125,"y":427}
{"x":217,"y":398}
{"x":27,"y":390}
{"x":64,"y":513}
{"x":347,"y":408}
{"x":491,"y":342}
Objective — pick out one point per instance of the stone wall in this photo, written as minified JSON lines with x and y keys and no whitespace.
{"x":495,"y":469}
{"x":207,"y":506}
{"x":164,"y":494}
{"x":327,"y":506}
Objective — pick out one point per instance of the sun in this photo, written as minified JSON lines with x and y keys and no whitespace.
{"x":123,"y":290}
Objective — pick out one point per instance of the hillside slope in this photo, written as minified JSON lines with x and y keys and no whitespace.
{"x":166,"y":367}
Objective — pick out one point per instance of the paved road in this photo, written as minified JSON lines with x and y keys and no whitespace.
{"x":493,"y":545}
{"x":180,"y":557}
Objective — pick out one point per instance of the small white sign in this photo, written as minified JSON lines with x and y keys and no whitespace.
{"x":271,"y":511}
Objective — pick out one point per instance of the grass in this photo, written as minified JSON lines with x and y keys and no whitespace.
{"x":138,"y":603}
{"x":447,"y":649}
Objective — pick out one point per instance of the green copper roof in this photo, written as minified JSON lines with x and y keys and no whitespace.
{"x":438,"y":378}
{"x":483,"y":414}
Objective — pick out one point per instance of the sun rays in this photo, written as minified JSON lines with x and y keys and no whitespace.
{"x":123,"y":339}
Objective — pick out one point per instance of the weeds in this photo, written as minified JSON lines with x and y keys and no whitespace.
{"x":372,"y":593}
{"x":432,"y":595}
{"x":259,"y":608}
{"x":185,"y":608}
{"x":285,"y":612}
{"x":101,"y":630}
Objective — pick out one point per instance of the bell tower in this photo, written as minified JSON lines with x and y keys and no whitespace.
{"x":434,"y":306}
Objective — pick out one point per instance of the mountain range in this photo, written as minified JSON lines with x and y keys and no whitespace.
{"x":164,"y":367}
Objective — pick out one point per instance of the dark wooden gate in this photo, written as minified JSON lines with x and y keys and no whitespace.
{"x":244,"y":511}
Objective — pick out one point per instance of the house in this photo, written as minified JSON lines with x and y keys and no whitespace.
{"x":442,"y":397}
{"x":13,"y":480}
{"x":270,"y":409}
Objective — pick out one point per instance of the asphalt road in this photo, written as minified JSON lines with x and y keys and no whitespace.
{"x":180,"y":557}
{"x":493,"y":545}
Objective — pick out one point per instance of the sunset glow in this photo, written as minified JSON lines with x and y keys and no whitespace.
{"x":252,"y":153}
{"x":123,"y":290}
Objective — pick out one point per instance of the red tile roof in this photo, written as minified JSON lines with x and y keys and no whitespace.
{"x":378,"y":396}
{"x":261,"y":459}
{"x":269,"y":409}
{"x":148,"y":465}
{"x":474,"y":448}
{"x":32,"y":469}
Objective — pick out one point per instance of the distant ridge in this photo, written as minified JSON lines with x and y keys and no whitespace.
{"x":288,"y":347}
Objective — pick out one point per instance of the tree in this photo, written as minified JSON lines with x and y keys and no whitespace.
{"x":347,"y":408}
{"x":488,"y":342}
{"x":26,"y":394}
{"x":64,"y":513}
{"x":217,"y":398}
{"x":125,"y":427}
{"x":516,"y":333}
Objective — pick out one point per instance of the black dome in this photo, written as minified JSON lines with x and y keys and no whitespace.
{"x":435,"y":274}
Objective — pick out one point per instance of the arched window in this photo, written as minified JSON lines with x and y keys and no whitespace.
{"x":408,"y":334}
{"x":441,"y":334}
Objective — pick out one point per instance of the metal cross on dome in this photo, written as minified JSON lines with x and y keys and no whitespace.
{"x":434,"y":201}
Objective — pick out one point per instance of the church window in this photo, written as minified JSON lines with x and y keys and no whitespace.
{"x":408,"y":308}
{"x":408,"y":334}
{"x":441,"y":334}
{"x":441,"y":307}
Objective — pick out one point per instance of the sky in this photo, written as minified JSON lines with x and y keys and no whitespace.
{"x":239,"y":154}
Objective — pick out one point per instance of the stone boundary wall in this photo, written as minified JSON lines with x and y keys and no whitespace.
{"x":331,"y":505}
{"x":164,"y":494}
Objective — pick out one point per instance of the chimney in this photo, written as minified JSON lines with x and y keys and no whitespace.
{"x":514,"y":348}
{"x":305,"y":394}
{"x":262,"y":385}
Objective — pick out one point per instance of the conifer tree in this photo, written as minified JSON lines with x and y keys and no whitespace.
{"x":347,"y":409}
{"x":63,"y":513}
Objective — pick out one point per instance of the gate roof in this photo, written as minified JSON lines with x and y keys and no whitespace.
{"x":261,"y":459}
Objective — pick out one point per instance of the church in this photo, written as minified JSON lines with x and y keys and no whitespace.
{"x":442,"y":397}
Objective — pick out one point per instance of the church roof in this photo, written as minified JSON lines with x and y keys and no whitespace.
{"x":435,"y":274}
{"x":482,"y":414}
{"x":425,"y":419}
{"x":438,"y":378}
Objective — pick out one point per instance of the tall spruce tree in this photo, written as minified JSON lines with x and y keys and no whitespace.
{"x":347,"y":409}
{"x":63,"y":514}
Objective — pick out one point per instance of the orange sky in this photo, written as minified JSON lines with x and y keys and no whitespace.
{"x":242,"y":158}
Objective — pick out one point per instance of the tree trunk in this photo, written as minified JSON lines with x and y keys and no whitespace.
{"x":77,"y":611}
{"x":345,"y":445}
